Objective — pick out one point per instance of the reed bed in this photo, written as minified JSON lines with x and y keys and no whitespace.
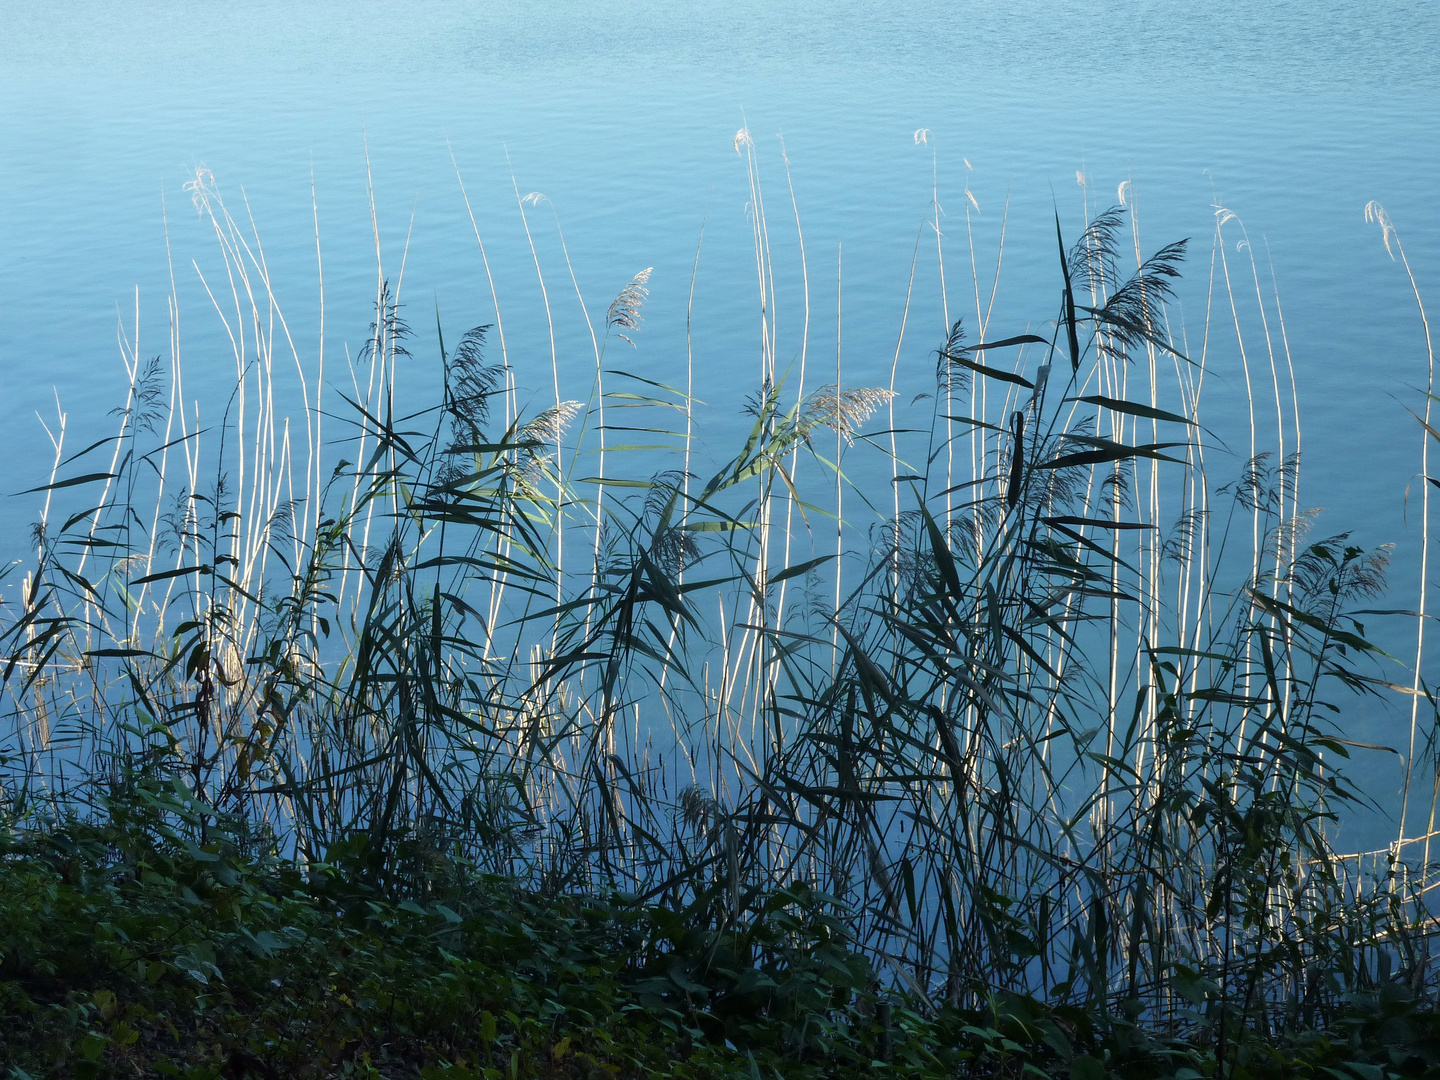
{"x":1034,"y":699}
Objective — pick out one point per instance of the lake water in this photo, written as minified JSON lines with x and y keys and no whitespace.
{"x":624,"y":114}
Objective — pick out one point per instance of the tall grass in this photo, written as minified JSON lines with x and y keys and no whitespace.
{"x":1043,"y":705}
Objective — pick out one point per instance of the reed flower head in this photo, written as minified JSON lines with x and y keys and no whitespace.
{"x":625,"y":310}
{"x":843,"y":411}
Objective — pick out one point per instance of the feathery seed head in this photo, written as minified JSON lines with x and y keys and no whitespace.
{"x":202,"y":188}
{"x":550,"y":425}
{"x":624,"y":312}
{"x":843,"y":411}
{"x":1375,"y":214}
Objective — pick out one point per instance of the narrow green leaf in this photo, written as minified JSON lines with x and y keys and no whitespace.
{"x":1132,"y":408}
{"x":74,"y":481}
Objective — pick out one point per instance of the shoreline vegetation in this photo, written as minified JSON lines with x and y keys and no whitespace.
{"x":981,"y":731}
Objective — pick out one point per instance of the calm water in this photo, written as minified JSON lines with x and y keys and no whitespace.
{"x":1293,"y":115}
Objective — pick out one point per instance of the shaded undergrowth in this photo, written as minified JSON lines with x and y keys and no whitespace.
{"x":130,"y":947}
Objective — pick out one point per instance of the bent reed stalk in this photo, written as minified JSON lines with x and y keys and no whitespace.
{"x":1059,"y":725}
